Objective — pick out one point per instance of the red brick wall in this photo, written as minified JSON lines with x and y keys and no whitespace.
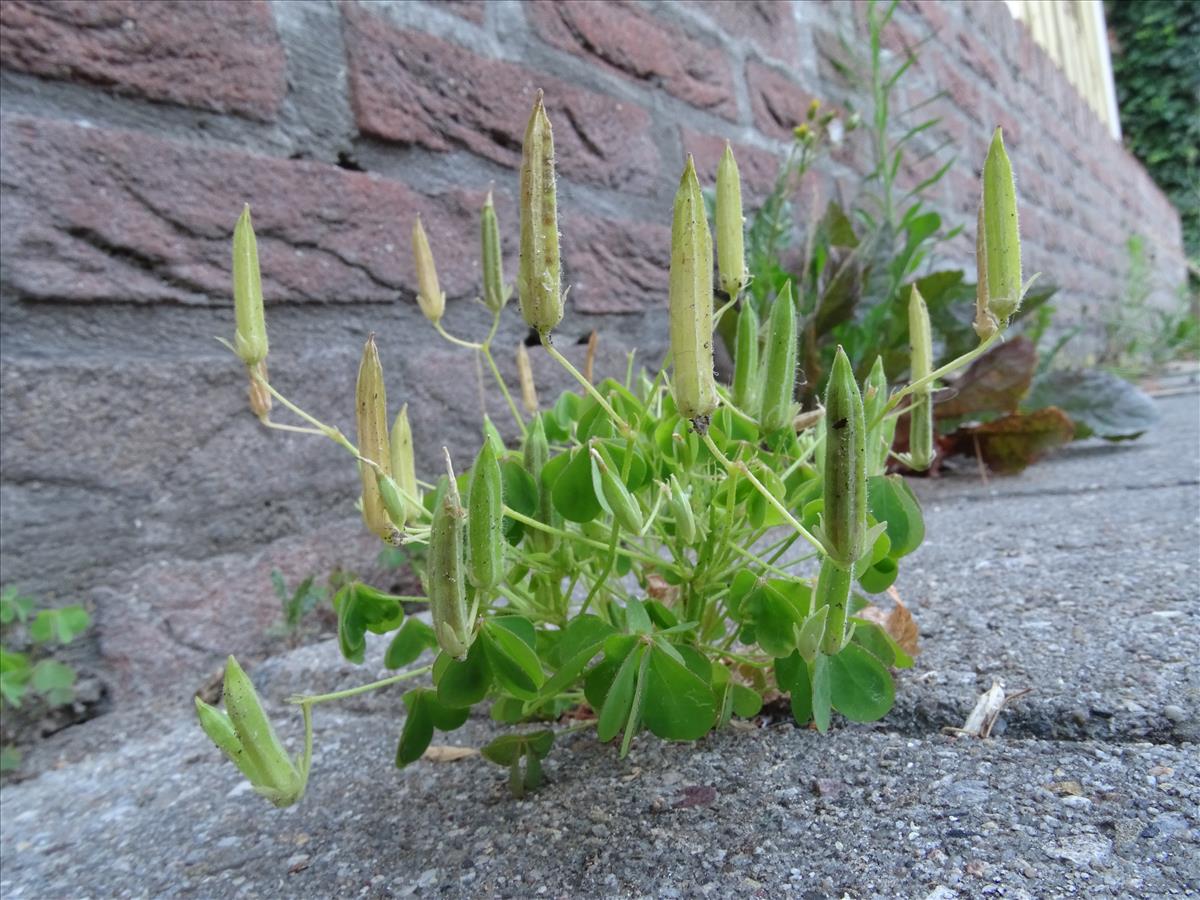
{"x":132,"y":132}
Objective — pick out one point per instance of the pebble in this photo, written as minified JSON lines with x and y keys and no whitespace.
{"x":1175,"y":713}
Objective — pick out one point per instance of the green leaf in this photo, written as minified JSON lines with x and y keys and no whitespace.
{"x":746,"y":702}
{"x":792,"y":677}
{"x":413,"y":638}
{"x":504,"y":750}
{"x":425,"y":713}
{"x":465,"y":682}
{"x":573,"y":495}
{"x":637,"y":620}
{"x":10,"y":758}
{"x":14,"y":606}
{"x":520,"y":493}
{"x":861,"y":687}
{"x":1098,"y":402}
{"x":875,"y":640}
{"x":878,"y":578}
{"x":360,"y":609}
{"x":891,"y":500}
{"x":54,"y":681}
{"x":513,"y":662}
{"x":775,"y":618}
{"x":62,"y":625}
{"x":581,"y":641}
{"x":619,"y":697}
{"x":520,"y":626}
{"x":679,"y":705}
{"x":821,"y":692}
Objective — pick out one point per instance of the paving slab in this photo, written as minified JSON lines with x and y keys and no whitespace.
{"x":1084,"y":590}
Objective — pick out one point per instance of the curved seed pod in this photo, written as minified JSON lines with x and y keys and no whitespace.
{"x":447,"y":584}
{"x":731,"y":255}
{"x":833,"y":592}
{"x":1002,"y":235}
{"x":681,"y":510}
{"x":985,"y":323}
{"x":393,"y":502}
{"x":881,"y":432}
{"x":920,"y":423}
{"x":279,"y":779}
{"x":495,"y":293}
{"x":220,"y":731}
{"x":745,"y":365}
{"x":844,"y":519}
{"x":371,"y":403}
{"x":691,"y":301}
{"x":529,"y":397}
{"x":485,"y":544}
{"x":429,"y":295}
{"x":624,"y":508}
{"x":404,"y":467}
{"x":539,"y":276}
{"x":250,"y":339}
{"x":779,"y":382}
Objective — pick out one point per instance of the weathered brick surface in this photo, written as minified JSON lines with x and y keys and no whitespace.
{"x":99,"y":215}
{"x":625,"y":39}
{"x":770,"y":24}
{"x":779,"y":104}
{"x":616,"y":267}
{"x":219,"y":56}
{"x":405,"y":88}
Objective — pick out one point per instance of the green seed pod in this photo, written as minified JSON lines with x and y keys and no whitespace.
{"x":485,"y":544}
{"x":779,"y":383}
{"x":447,"y":583}
{"x":985,"y":323}
{"x":393,"y":502}
{"x":920,"y":423}
{"x":220,"y":731}
{"x":1001,"y":234}
{"x":250,"y":339}
{"x":495,"y":292}
{"x":681,"y":509}
{"x":371,"y":403}
{"x":611,"y":489}
{"x":279,"y":779}
{"x":833,"y":592}
{"x":539,"y":276}
{"x":536,"y":453}
{"x":745,"y":365}
{"x":844,"y":519}
{"x":429,"y":295}
{"x":881,"y":431}
{"x":691,"y":301}
{"x":731,"y":255}
{"x":404,"y":467}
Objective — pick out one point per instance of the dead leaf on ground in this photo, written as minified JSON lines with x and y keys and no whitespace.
{"x":446,"y":753}
{"x":898,"y":622}
{"x":657,"y":587}
{"x":1066,"y":788}
{"x":987,"y":710}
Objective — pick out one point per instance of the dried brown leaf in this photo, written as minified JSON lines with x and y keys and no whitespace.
{"x":902,"y":627}
{"x":445,"y":753}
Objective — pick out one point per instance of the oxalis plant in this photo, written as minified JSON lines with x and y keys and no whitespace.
{"x":648,"y":550}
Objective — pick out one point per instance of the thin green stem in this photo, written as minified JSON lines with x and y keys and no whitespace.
{"x":313,"y":699}
{"x":746,"y":554}
{"x":328,"y":431}
{"x":470,"y":345}
{"x":579,"y":538}
{"x":306,"y":759}
{"x":743,"y":469}
{"x":587,"y":385}
{"x":952,"y":366}
{"x":486,"y":352}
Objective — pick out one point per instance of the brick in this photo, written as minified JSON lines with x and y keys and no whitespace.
{"x":769,"y":24}
{"x":107,"y":215}
{"x":778,"y":103}
{"x":471,"y":10}
{"x":758,"y":167}
{"x":616,"y":267}
{"x":218,"y":56}
{"x":411,"y":88}
{"x":630,"y":41}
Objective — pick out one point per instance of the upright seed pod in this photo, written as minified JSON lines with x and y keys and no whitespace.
{"x":920,"y":422}
{"x":447,"y":582}
{"x":539,"y":276}
{"x":731,"y":256}
{"x":681,"y":510}
{"x":1002,"y":235}
{"x":404,"y":467}
{"x":250,"y":339}
{"x":844,"y":519}
{"x":880,"y":431}
{"x":429,"y":295}
{"x":221,"y":732}
{"x":393,"y":502}
{"x":536,"y":453}
{"x":615,"y":495}
{"x":371,"y":402}
{"x":529,"y":397}
{"x":691,"y":302}
{"x":745,"y":364}
{"x":779,"y":383}
{"x":485,"y":544}
{"x":495,"y":292}
{"x":985,"y":323}
{"x":280,"y":780}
